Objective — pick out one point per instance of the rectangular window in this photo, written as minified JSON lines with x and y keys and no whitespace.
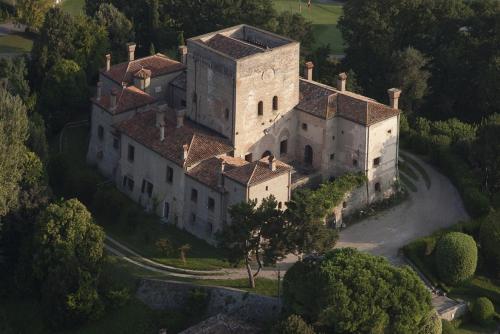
{"x":194,"y":195}
{"x":131,"y":153}
{"x":183,"y":103}
{"x":332,"y":156}
{"x":376,"y":162}
{"x":304,"y":126}
{"x":147,"y":187}
{"x":211,"y":204}
{"x":158,"y":89}
{"x":248,"y":157}
{"x":100,"y":132}
{"x":283,"y":147}
{"x":193,"y":217}
{"x":170,"y":174}
{"x":128,"y":183}
{"x":116,"y":143}
{"x":355,"y":163}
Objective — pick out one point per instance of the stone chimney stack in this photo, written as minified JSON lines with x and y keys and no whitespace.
{"x":108,"y":62}
{"x":160,"y":118}
{"x":162,"y":132}
{"x":272,"y":163}
{"x":99,"y":91}
{"x":308,"y":70}
{"x":185,"y":149}
{"x":394,"y":95}
{"x":180,"y":118}
{"x":112,"y":101}
{"x":342,"y":82}
{"x":183,"y":51}
{"x":131,"y":51}
{"x":221,"y":173}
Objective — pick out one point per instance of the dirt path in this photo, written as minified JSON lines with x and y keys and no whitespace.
{"x":426,"y":211}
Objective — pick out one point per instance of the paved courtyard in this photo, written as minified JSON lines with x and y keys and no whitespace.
{"x":426,"y":211}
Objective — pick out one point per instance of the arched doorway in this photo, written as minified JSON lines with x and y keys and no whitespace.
{"x":308,"y":155}
{"x":266,"y":154}
{"x":166,"y":210}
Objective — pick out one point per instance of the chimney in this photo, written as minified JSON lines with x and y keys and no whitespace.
{"x":99,"y":91}
{"x":180,"y":117}
{"x":112,"y":102}
{"x":185,"y":149}
{"x":308,"y":70}
{"x":183,"y":51}
{"x":131,"y":51}
{"x":272,"y":163}
{"x":341,"y":82}
{"x":162,"y":132}
{"x":221,"y":173}
{"x":108,"y":62}
{"x":160,"y":118}
{"x":394,"y":95}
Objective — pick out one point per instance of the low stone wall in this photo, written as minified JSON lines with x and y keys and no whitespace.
{"x":248,"y":307}
{"x":454,"y":312}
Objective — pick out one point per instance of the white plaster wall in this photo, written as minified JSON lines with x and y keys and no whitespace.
{"x":278,"y":186}
{"x":153,"y":167}
{"x":234,"y":193}
{"x":351,"y":142}
{"x":314,"y":136}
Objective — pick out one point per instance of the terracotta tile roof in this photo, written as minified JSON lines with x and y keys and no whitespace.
{"x":207,"y":171}
{"x":180,"y":81}
{"x":232,"y":47}
{"x":326,"y":102}
{"x":202,"y":143}
{"x":127,"y":99}
{"x":257,"y":172}
{"x":157,"y":64}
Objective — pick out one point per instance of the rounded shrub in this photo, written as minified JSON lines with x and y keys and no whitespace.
{"x":456,"y":257}
{"x":490,"y":242}
{"x":482,"y":311}
{"x":294,"y":324}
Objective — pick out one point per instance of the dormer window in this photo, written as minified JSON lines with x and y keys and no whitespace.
{"x":260,"y":108}
{"x":275,"y":103}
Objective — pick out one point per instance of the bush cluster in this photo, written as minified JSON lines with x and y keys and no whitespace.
{"x":294,"y":324}
{"x":482,"y":311}
{"x":456,"y":257}
{"x":447,"y":143}
{"x":490,"y":242}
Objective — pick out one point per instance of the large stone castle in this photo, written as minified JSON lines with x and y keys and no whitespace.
{"x":233,"y":120}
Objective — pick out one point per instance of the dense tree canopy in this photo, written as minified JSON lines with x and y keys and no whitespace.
{"x":490,"y":241}
{"x":487,"y":152}
{"x":14,"y":70}
{"x":119,"y":27}
{"x":31,"y":12}
{"x":64,"y":93}
{"x":459,"y":39}
{"x":351,"y":292}
{"x":69,"y":250}
{"x":13,"y":135}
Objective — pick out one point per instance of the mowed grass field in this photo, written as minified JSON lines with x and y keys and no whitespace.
{"x":324,"y":17}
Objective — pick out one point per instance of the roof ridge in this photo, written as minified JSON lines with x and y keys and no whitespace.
{"x":193,"y":135}
{"x":253,"y":172}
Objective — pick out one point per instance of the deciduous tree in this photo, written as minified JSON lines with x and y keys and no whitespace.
{"x":119,"y":28}
{"x":32,"y":12}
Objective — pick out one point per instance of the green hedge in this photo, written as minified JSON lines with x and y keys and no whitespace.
{"x":456,"y":257}
{"x":490,"y":242}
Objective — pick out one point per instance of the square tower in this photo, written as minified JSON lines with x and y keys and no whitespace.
{"x":243,"y":82}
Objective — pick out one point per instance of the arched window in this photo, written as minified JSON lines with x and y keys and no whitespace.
{"x":377,"y":187}
{"x":260,"y":108}
{"x":275,"y":103}
{"x":266,"y":154}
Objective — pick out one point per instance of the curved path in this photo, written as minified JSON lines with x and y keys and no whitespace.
{"x":426,"y":211}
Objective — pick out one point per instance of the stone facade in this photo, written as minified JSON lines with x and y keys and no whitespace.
{"x":234,"y":121}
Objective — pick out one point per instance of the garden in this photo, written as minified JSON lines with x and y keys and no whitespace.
{"x":463,"y":261}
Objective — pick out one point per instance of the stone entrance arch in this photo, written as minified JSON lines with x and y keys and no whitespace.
{"x":266,"y":154}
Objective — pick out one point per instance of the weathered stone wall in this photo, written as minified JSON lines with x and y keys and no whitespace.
{"x":277,"y":186}
{"x":249,"y":307}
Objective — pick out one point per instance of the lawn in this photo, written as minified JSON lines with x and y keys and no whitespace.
{"x":74,"y":7}
{"x":15,"y":43}
{"x":324,"y":18}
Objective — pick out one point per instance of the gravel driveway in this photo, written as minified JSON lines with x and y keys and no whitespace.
{"x":426,"y":211}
